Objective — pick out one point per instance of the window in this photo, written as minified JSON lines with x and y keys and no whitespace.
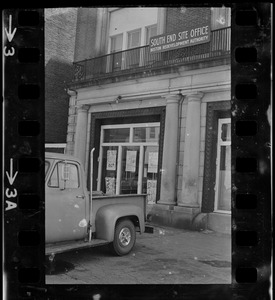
{"x":47,"y":165}
{"x":116,"y":58}
{"x":150,"y":32}
{"x":128,"y":161}
{"x":64,"y":175}
{"x":133,"y":57}
{"x":116,"y":43}
{"x":134,"y":39}
{"x":220,"y":17}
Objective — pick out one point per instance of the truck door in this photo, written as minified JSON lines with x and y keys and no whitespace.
{"x":66,"y":203}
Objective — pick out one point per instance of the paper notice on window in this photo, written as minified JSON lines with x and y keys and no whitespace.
{"x":153,"y":162}
{"x":110,"y":185}
{"x":131,"y":157}
{"x":151,"y":191}
{"x":111,"y":160}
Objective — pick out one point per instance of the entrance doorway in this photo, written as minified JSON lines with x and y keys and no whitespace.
{"x":223,"y":167}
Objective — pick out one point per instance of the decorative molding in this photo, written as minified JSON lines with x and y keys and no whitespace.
{"x":197,"y":96}
{"x":82,"y":107}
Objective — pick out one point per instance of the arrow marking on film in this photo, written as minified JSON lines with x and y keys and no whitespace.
{"x":10,"y":175}
{"x":10,"y":34}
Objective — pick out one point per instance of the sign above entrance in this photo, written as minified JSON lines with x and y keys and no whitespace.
{"x":178,"y":39}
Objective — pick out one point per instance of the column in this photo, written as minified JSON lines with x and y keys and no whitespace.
{"x":190,"y":176}
{"x":81,"y":133}
{"x":169,"y":156}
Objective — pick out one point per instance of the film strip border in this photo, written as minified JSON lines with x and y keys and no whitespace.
{"x":23,"y":93}
{"x":251,"y":150}
{"x":23,"y":51}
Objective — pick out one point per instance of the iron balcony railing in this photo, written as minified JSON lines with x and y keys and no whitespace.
{"x":132,"y":60}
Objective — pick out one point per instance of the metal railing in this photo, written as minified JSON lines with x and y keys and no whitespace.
{"x":132,"y":60}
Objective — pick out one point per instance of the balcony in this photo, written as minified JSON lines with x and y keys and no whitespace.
{"x":141,"y":60}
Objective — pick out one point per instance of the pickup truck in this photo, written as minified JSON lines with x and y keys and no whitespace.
{"x":76,"y":218}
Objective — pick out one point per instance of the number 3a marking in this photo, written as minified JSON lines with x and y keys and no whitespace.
{"x":9,"y":52}
{"x":11,"y":194}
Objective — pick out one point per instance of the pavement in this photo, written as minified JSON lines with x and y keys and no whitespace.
{"x":168,"y":256}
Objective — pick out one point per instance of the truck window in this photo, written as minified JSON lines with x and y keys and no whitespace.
{"x":47,"y":165}
{"x":53,"y":181}
{"x":65,"y":172}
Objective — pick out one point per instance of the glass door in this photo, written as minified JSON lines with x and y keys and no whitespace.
{"x":223,"y":167}
{"x":128,"y":159}
{"x":129,"y":170}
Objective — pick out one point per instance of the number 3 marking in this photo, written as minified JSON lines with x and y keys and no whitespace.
{"x":11,"y":194}
{"x":9,"y":52}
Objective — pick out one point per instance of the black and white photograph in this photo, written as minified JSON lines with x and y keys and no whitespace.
{"x":137,"y":151}
{"x":138,"y":145}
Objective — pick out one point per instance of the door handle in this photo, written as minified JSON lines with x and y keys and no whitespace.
{"x":80,"y":196}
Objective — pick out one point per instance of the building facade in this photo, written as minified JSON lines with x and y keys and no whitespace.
{"x":152,"y":96}
{"x":60,"y":30}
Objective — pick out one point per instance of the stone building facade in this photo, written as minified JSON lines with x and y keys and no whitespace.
{"x":159,"y":122}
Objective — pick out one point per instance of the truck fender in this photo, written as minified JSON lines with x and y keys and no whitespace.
{"x":107,"y":216}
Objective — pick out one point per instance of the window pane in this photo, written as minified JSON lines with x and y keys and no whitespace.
{"x":150,"y":173}
{"x":146,"y":134}
{"x":72,"y":181}
{"x":151,"y":31}
{"x":116,"y":43}
{"x":133,"y":39}
{"x":47,"y":165}
{"x":220,"y":17}
{"x":116,"y":135}
{"x":224,"y":197}
{"x":129,"y":171}
{"x":53,"y":181}
{"x":226,"y":132}
{"x":109,"y":170}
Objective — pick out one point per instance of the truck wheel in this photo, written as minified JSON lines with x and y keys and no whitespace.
{"x":125,"y":237}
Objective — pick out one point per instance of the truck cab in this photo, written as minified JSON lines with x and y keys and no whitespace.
{"x":76,"y":218}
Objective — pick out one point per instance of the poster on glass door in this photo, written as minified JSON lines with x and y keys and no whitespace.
{"x":131,"y":157}
{"x":111,"y":160}
{"x":153,"y":162}
{"x":151,"y":191}
{"x":110,"y":183}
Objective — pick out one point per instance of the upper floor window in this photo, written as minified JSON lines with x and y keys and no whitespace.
{"x":131,"y":27}
{"x":134,"y":38}
{"x":116,"y":43}
{"x":150,"y":32}
{"x":220,"y":17}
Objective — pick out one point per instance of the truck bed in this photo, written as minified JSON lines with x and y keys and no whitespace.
{"x":72,"y":245}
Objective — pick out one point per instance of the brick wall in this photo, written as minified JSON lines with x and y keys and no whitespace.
{"x":85,"y":34}
{"x":192,"y":16}
{"x":60,"y":28}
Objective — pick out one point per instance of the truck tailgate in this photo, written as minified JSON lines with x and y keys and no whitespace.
{"x":72,"y":245}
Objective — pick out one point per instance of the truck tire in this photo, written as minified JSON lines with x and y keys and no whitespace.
{"x":124,"y":238}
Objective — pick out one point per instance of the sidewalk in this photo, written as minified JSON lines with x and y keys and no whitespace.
{"x":191,"y":256}
{"x":168,"y":256}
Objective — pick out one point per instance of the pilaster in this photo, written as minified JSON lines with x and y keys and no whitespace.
{"x":169,"y":160}
{"x":190,"y":174}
